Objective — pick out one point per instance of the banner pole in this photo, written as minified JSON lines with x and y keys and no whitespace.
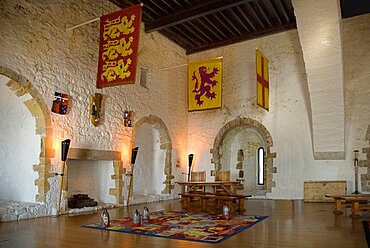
{"x":83,"y":24}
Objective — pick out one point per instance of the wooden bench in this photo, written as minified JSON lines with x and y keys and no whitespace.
{"x":204,"y":199}
{"x":354,"y":201}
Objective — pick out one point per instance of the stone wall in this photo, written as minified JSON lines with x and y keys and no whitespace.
{"x":288,"y":120}
{"x":35,"y":43}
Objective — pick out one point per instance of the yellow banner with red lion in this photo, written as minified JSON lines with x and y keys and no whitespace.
{"x":119,"y":41}
{"x":205,"y":84}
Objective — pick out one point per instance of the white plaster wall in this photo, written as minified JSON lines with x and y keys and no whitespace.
{"x":288,"y":120}
{"x":34,"y":43}
{"x":92,"y":178}
{"x":150,"y":161}
{"x":356,"y":54}
{"x":19,"y":147}
{"x":318,"y":24}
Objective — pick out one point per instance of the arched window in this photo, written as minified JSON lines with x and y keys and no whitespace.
{"x":261,"y":166}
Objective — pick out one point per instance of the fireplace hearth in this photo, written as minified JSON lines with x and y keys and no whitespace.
{"x":81,"y":201}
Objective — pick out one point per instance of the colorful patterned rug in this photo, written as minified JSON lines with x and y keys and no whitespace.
{"x":201,"y":227}
{"x":366,"y":225}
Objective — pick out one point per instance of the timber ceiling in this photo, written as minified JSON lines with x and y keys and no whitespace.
{"x":198,"y":25}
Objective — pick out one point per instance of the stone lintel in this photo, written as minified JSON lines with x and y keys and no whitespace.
{"x":90,"y":154}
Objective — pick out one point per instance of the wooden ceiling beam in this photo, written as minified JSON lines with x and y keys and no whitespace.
{"x":231,"y":11}
{"x":250,"y":36}
{"x":285,"y":12}
{"x":263,"y":13}
{"x":200,"y":32}
{"x":274,"y":11}
{"x":231,"y":24}
{"x":246,"y":17}
{"x":255,"y":15}
{"x":206,"y":8}
{"x":214,"y":26}
{"x":223,"y":24}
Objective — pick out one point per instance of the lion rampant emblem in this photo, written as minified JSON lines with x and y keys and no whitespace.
{"x":206,"y":82}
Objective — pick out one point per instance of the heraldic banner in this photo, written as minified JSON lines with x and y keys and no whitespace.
{"x":262,"y":69}
{"x":119,"y":41}
{"x":205,"y":84}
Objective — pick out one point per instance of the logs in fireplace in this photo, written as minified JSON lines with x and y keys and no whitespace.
{"x":80,"y":201}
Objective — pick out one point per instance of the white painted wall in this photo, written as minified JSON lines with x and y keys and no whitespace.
{"x":288,"y":120}
{"x":318,"y":25}
{"x":34,"y":42}
{"x":19,"y":147}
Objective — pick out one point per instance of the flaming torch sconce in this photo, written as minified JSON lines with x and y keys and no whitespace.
{"x":355,"y":163}
{"x":64,"y":153}
{"x":127,"y":117}
{"x":191,"y":157}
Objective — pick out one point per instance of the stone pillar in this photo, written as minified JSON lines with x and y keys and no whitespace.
{"x":319,"y":30}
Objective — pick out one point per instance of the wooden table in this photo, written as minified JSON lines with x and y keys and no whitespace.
{"x":228,"y":186}
{"x":354,"y":199}
{"x":189,"y":191}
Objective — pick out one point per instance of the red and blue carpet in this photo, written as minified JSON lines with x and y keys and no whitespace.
{"x":199,"y":227}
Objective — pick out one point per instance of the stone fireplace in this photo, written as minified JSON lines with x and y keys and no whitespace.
{"x":98,"y":173}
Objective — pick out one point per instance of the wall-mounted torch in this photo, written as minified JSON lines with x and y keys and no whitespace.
{"x":64,"y":153}
{"x":191,"y":157}
{"x":355,"y":162}
{"x":133,"y":160}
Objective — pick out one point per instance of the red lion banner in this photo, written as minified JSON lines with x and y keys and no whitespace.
{"x":119,"y":41}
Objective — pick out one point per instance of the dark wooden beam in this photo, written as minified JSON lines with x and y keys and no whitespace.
{"x":246,"y":17}
{"x":250,"y":36}
{"x":184,"y":43}
{"x":191,"y":13}
{"x":223,"y":24}
{"x":274,"y":11}
{"x":231,"y":11}
{"x":214,"y":26}
{"x":285,"y":11}
{"x":200,"y":32}
{"x":255,"y":15}
{"x":186,"y":35}
{"x":231,"y":24}
{"x":261,"y":11}
{"x":194,"y":33}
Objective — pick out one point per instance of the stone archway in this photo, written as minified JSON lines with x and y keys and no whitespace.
{"x":36,"y":105}
{"x":216,"y":150}
{"x":165,"y":144}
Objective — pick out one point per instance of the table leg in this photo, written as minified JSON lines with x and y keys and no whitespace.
{"x":338,"y":206}
{"x":233,"y":189}
{"x":355,"y":209}
{"x":241,"y":205}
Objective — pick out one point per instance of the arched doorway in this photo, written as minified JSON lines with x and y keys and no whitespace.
{"x":29,"y":96}
{"x":153,"y":171}
{"x":238,"y":147}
